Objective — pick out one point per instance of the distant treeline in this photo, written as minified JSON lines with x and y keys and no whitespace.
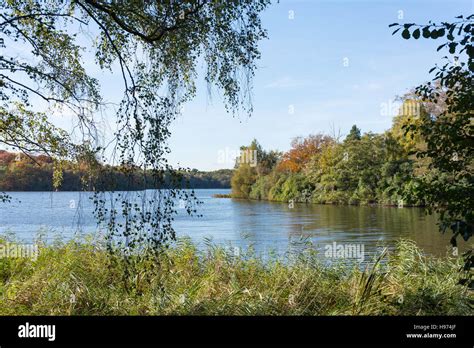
{"x":19,"y":172}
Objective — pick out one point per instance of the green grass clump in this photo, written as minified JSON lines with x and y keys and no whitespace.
{"x":81,"y":278}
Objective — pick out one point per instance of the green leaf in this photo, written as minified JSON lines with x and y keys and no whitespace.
{"x":426,"y":32}
{"x":470,"y":51}
{"x":406,"y":34}
{"x":452,"y":47}
{"x":416,"y":34}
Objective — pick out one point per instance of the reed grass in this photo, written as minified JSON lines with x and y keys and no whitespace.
{"x":81,"y":278}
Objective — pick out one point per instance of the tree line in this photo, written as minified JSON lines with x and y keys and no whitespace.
{"x":359,"y":169}
{"x":19,"y":172}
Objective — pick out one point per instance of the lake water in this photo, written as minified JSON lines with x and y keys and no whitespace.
{"x":239,"y":223}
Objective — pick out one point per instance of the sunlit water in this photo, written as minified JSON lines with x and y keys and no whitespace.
{"x":267,"y":227}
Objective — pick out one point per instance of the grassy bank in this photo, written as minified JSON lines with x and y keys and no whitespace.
{"x":78,"y":278}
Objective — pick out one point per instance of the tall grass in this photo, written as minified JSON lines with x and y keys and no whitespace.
{"x":80,"y":278}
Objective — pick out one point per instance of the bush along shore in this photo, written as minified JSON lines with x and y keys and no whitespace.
{"x":80,"y":277}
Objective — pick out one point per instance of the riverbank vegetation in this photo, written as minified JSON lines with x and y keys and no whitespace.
{"x":359,"y":169}
{"x":81,"y":278}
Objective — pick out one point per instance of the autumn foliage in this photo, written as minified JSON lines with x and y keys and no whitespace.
{"x":302,"y":149}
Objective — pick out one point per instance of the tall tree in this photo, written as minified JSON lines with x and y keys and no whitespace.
{"x":354,"y":134}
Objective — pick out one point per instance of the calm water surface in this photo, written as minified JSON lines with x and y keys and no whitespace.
{"x":264,"y":225}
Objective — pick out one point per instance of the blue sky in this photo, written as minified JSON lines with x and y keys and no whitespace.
{"x":334,"y":64}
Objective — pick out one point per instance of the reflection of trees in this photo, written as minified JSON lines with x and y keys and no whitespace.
{"x":275,"y":223}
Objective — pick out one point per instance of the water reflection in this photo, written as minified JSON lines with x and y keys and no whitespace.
{"x":265,"y":225}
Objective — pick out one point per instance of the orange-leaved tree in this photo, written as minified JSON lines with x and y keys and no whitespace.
{"x":301,"y":152}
